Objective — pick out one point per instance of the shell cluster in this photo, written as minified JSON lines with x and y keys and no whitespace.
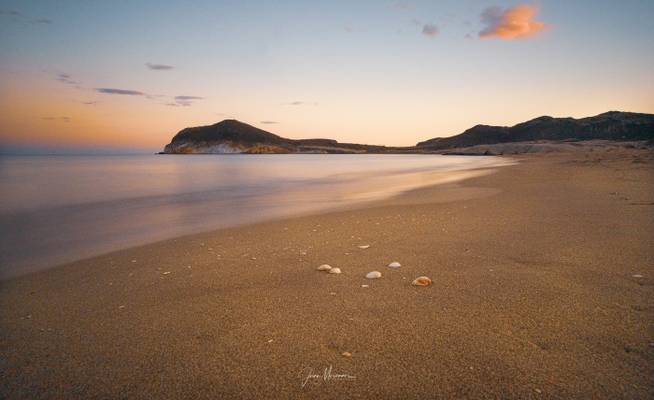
{"x":328,"y":268}
{"x":419,"y":281}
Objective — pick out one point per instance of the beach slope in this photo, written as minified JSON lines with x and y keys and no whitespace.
{"x":543,"y":288}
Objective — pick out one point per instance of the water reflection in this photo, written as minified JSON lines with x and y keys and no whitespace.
{"x":59,"y":209}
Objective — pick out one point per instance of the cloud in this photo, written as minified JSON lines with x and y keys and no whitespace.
{"x":512,"y":23}
{"x":119,"y":91}
{"x":67,"y":79}
{"x":403,"y":5}
{"x":159,"y":67}
{"x":62,"y":119}
{"x":185,"y":100}
{"x":268,"y":122}
{"x":430,"y":30}
{"x":301,"y":103}
{"x":17,"y":16}
{"x":13,"y":13}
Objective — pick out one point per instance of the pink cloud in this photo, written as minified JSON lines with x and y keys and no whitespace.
{"x":512,"y":23}
{"x":430,"y":30}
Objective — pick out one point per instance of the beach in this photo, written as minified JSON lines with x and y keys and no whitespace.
{"x":543,"y":287}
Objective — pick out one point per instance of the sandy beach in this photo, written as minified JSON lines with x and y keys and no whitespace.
{"x":543,"y":288}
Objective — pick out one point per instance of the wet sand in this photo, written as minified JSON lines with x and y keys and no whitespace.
{"x":543,"y":288}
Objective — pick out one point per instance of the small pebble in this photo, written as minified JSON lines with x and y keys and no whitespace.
{"x":335,"y":271}
{"x":373,"y":275}
{"x":364,"y":246}
{"x":364,"y":286}
{"x":421,"y":281}
{"x":166,"y":273}
{"x":637,"y":276}
{"x":324,"y":267}
{"x":270,"y":341}
{"x":133,"y":260}
{"x":346,"y":354}
{"x":121,"y":307}
{"x":394,"y":264}
{"x":538,"y":391}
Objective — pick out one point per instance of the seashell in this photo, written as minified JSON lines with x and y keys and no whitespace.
{"x":422,"y":281}
{"x":637,"y":276}
{"x":335,"y":271}
{"x":373,"y":275}
{"x":324,"y":267}
{"x":395,"y":264}
{"x":364,"y":286}
{"x":346,"y":354}
{"x":364,"y":246}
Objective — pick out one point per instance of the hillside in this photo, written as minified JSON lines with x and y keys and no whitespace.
{"x":613,"y":125}
{"x":232,"y":136}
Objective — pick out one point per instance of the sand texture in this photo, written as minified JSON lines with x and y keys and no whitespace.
{"x":543,"y":287}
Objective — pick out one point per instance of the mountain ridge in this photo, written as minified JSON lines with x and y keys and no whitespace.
{"x":232,"y":136}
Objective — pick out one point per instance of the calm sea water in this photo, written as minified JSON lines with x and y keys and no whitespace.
{"x":56,"y":209}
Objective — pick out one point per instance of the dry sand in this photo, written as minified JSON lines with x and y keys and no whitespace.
{"x":534,"y":296}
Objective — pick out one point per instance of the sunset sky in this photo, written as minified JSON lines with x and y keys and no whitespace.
{"x":127,"y":75}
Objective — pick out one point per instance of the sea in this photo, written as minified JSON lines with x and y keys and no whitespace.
{"x":58,"y":209}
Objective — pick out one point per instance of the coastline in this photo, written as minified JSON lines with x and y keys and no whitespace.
{"x":534,"y":294}
{"x":152,"y":205}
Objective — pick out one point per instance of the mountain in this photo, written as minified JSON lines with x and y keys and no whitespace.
{"x":612,"y":125}
{"x":232,"y":136}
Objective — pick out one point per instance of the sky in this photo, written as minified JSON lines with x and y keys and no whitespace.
{"x":127,"y":75}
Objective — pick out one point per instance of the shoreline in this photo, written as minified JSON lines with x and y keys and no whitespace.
{"x":535,"y":294}
{"x":351,"y":190}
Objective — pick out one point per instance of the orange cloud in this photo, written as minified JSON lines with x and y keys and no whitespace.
{"x":513,"y":23}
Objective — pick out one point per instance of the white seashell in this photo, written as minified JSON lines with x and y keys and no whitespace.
{"x":335,"y":271}
{"x":637,"y":276}
{"x":421,"y":281}
{"x":373,"y":275}
{"x":364,"y":286}
{"x":394,"y":264}
{"x":364,"y":246}
{"x":324,"y":267}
